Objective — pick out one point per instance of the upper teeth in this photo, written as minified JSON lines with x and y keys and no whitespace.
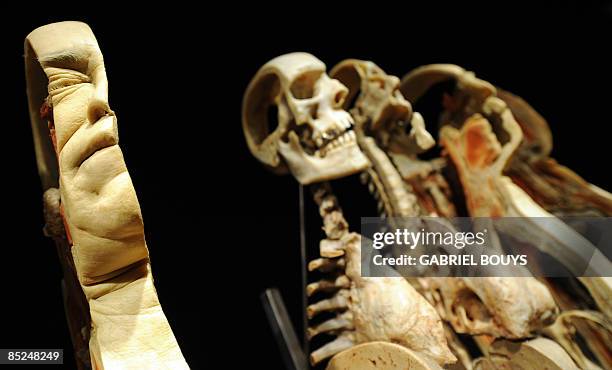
{"x":348,"y":137}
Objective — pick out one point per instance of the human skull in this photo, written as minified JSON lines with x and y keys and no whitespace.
{"x":314,"y":138}
{"x":379,"y":108}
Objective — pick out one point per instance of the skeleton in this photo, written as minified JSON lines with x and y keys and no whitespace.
{"x":107,"y":272}
{"x":369,"y":310}
{"x":473,"y":143}
{"x":379,"y":107}
{"x":408,"y":319}
{"x":495,"y":306}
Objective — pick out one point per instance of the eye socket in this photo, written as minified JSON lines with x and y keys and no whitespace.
{"x":303,"y":86}
{"x":349,"y":77}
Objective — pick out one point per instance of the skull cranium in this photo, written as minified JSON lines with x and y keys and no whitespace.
{"x":314,"y":138}
{"x":380,"y":110}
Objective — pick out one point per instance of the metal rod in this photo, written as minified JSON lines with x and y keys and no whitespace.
{"x":304,"y":268}
{"x":291,"y":352}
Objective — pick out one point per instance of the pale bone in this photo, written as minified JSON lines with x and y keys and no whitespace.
{"x":326,"y":264}
{"x":378,"y":190}
{"x":535,"y":354}
{"x":561,"y":241}
{"x":458,"y":348}
{"x":376,"y":177}
{"x":129,"y":329}
{"x":380,"y":110}
{"x":337,"y":302}
{"x":572,"y":296}
{"x":551,"y":184}
{"x":564,"y":243}
{"x":426,"y":181}
{"x":383,"y":175}
{"x":389,"y":186}
{"x":363,"y":78}
{"x":496,"y":306}
{"x":381,"y":117}
{"x":438,"y":190}
{"x":330,"y":248}
{"x":408,"y":319}
{"x":343,"y":342}
{"x":601,"y":192}
{"x":328,"y":285}
{"x":477,"y":175}
{"x":418,"y":81}
{"x":313,"y":138}
{"x":336,"y":230}
{"x":483,"y":363}
{"x":563,"y":332}
{"x":527,"y":166}
{"x":380,"y":356}
{"x":341,"y":321}
{"x":507,"y":199}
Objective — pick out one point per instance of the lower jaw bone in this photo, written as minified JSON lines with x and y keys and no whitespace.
{"x":339,"y":162}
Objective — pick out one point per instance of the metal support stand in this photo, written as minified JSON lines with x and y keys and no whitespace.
{"x":304,"y":266}
{"x":291,"y":352}
{"x":294,"y":356}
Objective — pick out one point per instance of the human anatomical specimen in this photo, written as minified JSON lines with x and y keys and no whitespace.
{"x":481,"y":136}
{"x":315,"y":141}
{"x":494,"y":306}
{"x":91,"y":207}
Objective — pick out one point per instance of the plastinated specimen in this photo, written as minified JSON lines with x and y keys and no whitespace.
{"x":91,"y":209}
{"x":375,"y":317}
{"x":360,"y":303}
{"x":481,"y":136}
{"x":493,"y":306}
{"x":363,"y":302}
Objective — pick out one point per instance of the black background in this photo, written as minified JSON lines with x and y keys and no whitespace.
{"x":220,"y":228}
